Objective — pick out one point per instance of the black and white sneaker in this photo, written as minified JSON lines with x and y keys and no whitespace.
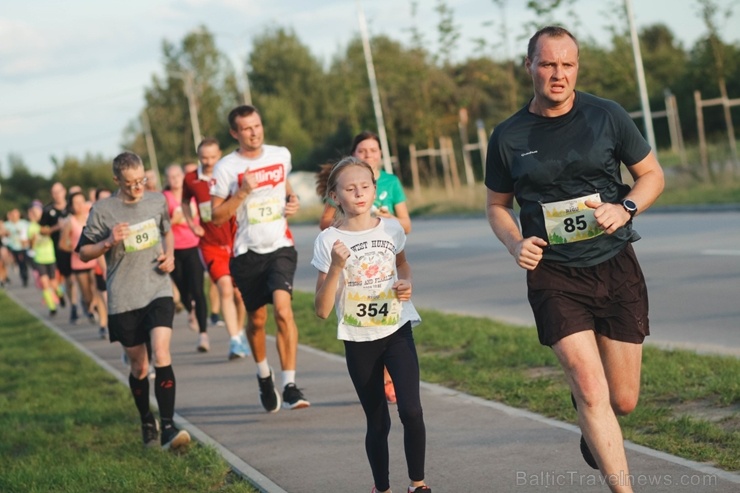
{"x":174,"y":439}
{"x":150,"y":433}
{"x":269,"y":396}
{"x":293,"y":398}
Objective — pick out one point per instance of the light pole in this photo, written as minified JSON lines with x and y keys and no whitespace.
{"x":150,"y":147}
{"x":187,"y":78}
{"x":374,"y":91}
{"x":646,"y":114}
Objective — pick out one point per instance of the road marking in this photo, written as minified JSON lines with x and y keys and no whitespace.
{"x":447,"y":245}
{"x":721,"y":253}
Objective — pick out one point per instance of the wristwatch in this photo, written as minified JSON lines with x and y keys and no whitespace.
{"x":630,"y":207}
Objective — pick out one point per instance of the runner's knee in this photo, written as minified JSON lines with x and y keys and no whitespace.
{"x":283,"y":315}
{"x":624,"y":403}
{"x":256,"y":320}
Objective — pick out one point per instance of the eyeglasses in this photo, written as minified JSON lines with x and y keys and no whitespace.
{"x":136,"y":184}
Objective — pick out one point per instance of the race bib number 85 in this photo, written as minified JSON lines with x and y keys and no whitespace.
{"x":141,"y":236}
{"x":569,"y":221}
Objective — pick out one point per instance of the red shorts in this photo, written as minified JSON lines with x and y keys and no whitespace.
{"x":216,"y":260}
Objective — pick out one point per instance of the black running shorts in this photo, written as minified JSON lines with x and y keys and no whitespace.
{"x":258,"y":275}
{"x":609,"y":298}
{"x":132,"y":328}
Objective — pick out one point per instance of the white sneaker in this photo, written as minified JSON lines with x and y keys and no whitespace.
{"x":192,"y":322}
{"x":203,"y":344}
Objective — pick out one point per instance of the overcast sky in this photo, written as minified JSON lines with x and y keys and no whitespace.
{"x":73,"y":73}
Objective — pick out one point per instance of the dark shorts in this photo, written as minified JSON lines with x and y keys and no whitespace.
{"x":64,"y":262}
{"x":609,"y":298}
{"x":132,"y":328}
{"x":100,"y":283}
{"x":49,"y":270}
{"x":258,"y":275}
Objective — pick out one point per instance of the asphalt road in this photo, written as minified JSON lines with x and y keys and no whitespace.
{"x":691,"y":262}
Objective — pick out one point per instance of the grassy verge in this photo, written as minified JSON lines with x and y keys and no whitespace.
{"x":689,"y":404}
{"x":68,"y":426}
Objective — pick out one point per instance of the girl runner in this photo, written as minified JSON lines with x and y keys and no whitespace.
{"x":363,"y":271}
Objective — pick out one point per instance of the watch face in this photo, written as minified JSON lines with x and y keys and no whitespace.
{"x":630,"y":206}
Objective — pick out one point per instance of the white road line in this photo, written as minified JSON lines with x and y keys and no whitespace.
{"x":721,"y":253}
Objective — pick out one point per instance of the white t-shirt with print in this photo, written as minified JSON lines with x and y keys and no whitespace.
{"x":261,"y":223}
{"x":366,"y":306}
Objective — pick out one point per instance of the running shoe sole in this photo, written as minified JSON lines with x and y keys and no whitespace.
{"x":180,"y":440}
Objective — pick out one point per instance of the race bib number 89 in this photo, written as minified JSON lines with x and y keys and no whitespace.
{"x":569,"y":221}
{"x":141,"y":236}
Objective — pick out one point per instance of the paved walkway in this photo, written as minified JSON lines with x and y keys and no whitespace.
{"x":472,"y":444}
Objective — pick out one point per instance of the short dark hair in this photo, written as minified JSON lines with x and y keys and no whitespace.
{"x":208,"y":141}
{"x":361,"y":137}
{"x":126,"y":160}
{"x":551,"y":31}
{"x":71,"y":199}
{"x":240,"y":112}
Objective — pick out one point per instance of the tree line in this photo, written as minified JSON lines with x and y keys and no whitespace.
{"x":314,"y":108}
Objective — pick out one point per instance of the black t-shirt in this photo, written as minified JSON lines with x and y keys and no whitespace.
{"x":50,"y":217}
{"x":543,"y":160}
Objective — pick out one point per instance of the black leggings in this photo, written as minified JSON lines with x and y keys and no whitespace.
{"x":21,"y":259}
{"x":188,"y":277}
{"x":365,"y":361}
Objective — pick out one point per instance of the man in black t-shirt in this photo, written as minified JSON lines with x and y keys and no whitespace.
{"x":52,"y":220}
{"x":560,"y":157}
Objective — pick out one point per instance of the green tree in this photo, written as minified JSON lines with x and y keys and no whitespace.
{"x":448,"y":34}
{"x":284,"y":73}
{"x":545,"y":14}
{"x":21,"y":187}
{"x":93,"y":171}
{"x":214,"y":91}
{"x":710,"y":61}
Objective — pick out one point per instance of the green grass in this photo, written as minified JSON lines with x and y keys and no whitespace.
{"x":689,"y":404}
{"x":69,"y":426}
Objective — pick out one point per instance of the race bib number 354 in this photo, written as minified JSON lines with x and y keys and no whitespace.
{"x":141,"y":236}
{"x":371,"y":311}
{"x":569,"y":221}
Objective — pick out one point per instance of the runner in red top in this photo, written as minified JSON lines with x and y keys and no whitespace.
{"x":216,"y":243}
